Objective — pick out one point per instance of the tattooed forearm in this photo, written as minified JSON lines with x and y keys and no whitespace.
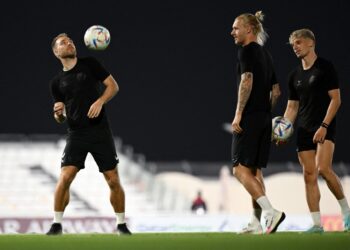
{"x":275,"y":94}
{"x":245,"y":87}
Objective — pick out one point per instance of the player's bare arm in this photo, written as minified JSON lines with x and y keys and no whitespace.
{"x":245,"y":88}
{"x":333,"y":107}
{"x":291,"y":110}
{"x":111,"y":90}
{"x":58,"y":110}
{"x":275,"y":94}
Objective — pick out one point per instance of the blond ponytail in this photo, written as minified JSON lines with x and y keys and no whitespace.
{"x":260,"y":16}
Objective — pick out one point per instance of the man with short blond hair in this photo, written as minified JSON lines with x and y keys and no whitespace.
{"x":314,"y":96}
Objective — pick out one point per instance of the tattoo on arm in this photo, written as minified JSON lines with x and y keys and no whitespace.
{"x":245,"y":88}
{"x":275,"y":94}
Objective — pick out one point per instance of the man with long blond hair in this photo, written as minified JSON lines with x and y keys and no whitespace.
{"x":258,"y":92}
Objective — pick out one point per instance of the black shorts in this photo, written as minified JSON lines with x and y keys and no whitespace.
{"x":305,"y":138}
{"x":251,"y":148}
{"x":98,"y":142}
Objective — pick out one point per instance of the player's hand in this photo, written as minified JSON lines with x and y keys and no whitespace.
{"x":236,"y":128}
{"x":320,"y":135}
{"x":280,"y":143}
{"x":95,"y":109}
{"x":58,"y":110}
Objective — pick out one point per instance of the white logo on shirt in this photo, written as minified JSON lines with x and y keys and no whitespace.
{"x":62,"y":158}
{"x":312,"y":79}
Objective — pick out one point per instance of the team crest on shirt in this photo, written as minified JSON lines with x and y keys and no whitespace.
{"x":312,"y":79}
{"x":63,"y":84}
{"x":81,"y":76}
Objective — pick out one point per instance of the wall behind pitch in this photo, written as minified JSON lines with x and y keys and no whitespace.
{"x":174,"y":62}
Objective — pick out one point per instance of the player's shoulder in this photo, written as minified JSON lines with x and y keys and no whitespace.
{"x":253,"y":46}
{"x":89,"y":62}
{"x":324,"y":63}
{"x":294,"y":71}
{"x":56,"y":78}
{"x":248,"y":50}
{"x":88,"y":59}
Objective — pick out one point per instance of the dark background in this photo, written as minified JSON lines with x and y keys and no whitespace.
{"x":175,"y":64}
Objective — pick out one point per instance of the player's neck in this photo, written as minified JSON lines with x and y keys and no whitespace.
{"x":249,"y":39}
{"x":309,"y":60}
{"x":69,"y":63}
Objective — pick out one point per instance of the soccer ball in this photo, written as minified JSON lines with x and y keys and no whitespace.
{"x":97,"y":37}
{"x":282,"y":129}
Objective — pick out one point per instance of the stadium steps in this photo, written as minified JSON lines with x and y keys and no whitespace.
{"x":29,"y":172}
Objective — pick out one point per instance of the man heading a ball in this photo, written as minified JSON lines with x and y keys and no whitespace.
{"x":77,"y":99}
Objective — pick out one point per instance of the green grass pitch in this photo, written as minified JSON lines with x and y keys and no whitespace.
{"x":180,"y":241}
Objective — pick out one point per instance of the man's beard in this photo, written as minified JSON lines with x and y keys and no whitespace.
{"x":238,"y":42}
{"x":303,"y":55}
{"x":69,"y":56}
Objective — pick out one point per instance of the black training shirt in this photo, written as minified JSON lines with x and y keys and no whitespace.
{"x":310,"y":87}
{"x":78,"y":89}
{"x":257,"y":60}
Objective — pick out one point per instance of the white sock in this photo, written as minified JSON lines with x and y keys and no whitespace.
{"x":120,"y":218}
{"x":345,"y":210}
{"x":316,"y":218}
{"x":264,"y":203}
{"x":256,"y":215}
{"x":58,"y":216}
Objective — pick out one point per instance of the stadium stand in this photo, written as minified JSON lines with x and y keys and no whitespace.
{"x":29,"y":172}
{"x":30,"y":167}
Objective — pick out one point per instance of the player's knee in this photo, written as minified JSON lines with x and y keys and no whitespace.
{"x":310,"y":176}
{"x":66,"y":179}
{"x":113,"y":183}
{"x":239,"y":174}
{"x":324,"y":172}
